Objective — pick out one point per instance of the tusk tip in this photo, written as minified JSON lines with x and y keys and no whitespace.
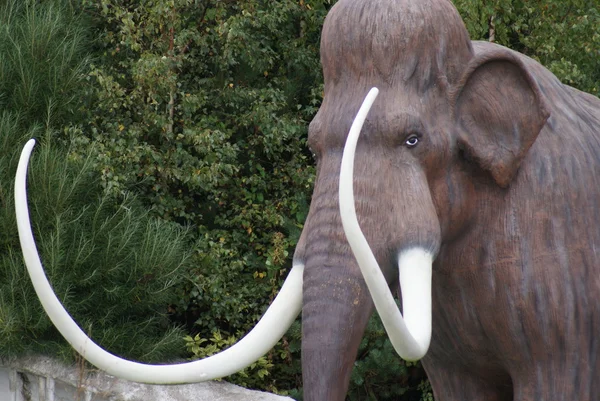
{"x":28,"y":147}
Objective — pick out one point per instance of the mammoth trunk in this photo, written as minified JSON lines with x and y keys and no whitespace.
{"x":337,"y":307}
{"x":343,"y":279}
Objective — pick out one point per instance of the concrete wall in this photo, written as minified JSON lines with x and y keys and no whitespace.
{"x":40,"y":378}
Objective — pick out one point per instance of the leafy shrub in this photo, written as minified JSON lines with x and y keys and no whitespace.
{"x":201,"y":348}
{"x":277,"y":372}
{"x":202,"y":110}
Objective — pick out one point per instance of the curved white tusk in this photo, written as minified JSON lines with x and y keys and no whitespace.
{"x":271,"y":327}
{"x":410,"y":338}
{"x":415,"y":284}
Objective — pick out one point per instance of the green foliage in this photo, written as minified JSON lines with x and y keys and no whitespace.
{"x":380,"y":374}
{"x":563,"y":35}
{"x":277,"y":372}
{"x":42,"y":47}
{"x":112,"y":266}
{"x":202,"y":109}
{"x":426,"y":392}
{"x":252,"y":376}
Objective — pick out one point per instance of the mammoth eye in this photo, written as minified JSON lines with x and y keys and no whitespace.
{"x":412,"y":141}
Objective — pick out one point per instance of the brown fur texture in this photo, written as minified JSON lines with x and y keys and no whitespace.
{"x":503,"y":186}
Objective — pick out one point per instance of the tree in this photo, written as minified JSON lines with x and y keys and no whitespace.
{"x":113,"y":266}
{"x":562,"y":35}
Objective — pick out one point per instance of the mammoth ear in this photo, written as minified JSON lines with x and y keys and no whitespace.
{"x":499,"y":112}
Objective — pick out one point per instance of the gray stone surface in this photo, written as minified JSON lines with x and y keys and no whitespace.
{"x":39,"y":378}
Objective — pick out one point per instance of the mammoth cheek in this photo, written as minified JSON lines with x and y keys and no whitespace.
{"x":453,"y":196}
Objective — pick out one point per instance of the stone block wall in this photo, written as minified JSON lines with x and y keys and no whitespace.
{"x":39,"y":378}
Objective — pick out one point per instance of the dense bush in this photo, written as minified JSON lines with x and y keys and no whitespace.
{"x":114,"y":268}
{"x":201,"y":108}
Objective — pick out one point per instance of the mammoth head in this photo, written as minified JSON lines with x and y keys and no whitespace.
{"x":477,"y":97}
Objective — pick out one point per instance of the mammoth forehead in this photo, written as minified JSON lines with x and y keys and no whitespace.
{"x":416,"y":41}
{"x":330,"y":130}
{"x":383,"y":123}
{"x":398,"y":122}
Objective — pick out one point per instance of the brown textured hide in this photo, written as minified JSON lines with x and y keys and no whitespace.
{"x":516,"y":295}
{"x":504,"y":186}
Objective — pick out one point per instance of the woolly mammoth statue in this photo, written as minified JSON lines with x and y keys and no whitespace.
{"x":477,"y":185}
